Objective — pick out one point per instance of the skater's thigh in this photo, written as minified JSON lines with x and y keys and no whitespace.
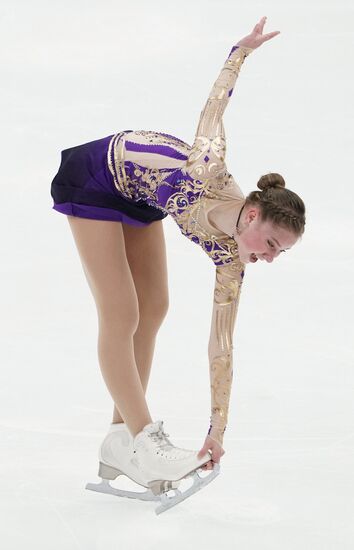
{"x":146,"y":254}
{"x":103,"y":257}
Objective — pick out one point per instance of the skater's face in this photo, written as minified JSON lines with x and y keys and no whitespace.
{"x":260,"y":240}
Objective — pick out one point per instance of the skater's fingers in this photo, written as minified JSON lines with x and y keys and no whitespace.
{"x":269,"y":36}
{"x":215,"y":451}
{"x":260,"y":25}
{"x":204,"y":450}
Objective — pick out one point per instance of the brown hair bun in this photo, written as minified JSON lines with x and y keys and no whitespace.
{"x":271,"y":180}
{"x":281,"y":207}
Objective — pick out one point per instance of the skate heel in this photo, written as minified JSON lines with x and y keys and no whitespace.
{"x":159,"y":487}
{"x":108,"y":472}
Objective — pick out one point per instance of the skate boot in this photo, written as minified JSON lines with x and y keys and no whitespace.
{"x":161,"y":463}
{"x":121,"y":454}
{"x":114,"y":455}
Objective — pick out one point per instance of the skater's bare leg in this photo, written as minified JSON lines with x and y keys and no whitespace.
{"x":146,"y":254}
{"x":103,"y":257}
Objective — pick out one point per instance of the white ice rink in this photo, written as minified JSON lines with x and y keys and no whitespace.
{"x":76,"y":71}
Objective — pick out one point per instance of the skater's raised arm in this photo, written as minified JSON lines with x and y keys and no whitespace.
{"x":207,"y":156}
{"x":228,"y":282}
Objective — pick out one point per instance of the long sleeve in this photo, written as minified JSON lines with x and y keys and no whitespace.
{"x":207,"y":156}
{"x":228,"y":282}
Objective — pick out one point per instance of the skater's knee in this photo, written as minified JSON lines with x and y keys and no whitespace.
{"x":120,"y":316}
{"x":152,"y":311}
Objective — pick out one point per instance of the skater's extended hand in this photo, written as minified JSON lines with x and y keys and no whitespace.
{"x":216,"y":452}
{"x":256,"y":38}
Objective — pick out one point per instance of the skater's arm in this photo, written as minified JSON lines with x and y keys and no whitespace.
{"x":207,"y":156}
{"x":228,"y":282}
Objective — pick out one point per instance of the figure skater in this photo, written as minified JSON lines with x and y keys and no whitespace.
{"x":115,"y":192}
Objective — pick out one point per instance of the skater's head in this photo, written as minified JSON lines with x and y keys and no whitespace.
{"x":271,"y":222}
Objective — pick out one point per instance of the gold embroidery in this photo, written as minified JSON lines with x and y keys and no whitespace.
{"x":228,"y":282}
{"x":150,"y":180}
{"x":224,"y":324}
{"x":159,"y":138}
{"x":221,"y":373}
{"x":116,"y":165}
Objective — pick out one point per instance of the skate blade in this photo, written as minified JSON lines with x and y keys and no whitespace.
{"x":198,"y":484}
{"x":106,"y":488}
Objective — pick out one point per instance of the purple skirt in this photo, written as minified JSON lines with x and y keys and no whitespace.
{"x":84,"y":187}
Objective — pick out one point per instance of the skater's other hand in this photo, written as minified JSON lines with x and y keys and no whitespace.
{"x":216,"y":451}
{"x":256,"y":38}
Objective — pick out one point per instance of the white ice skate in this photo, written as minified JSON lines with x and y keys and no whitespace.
{"x":152,"y":461}
{"x":114,"y":455}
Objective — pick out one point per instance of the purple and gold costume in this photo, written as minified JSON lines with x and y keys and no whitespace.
{"x":142,"y":176}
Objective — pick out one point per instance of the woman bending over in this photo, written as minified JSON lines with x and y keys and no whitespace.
{"x":116,"y":192}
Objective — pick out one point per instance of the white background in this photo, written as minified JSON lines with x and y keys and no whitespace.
{"x":76,"y":71}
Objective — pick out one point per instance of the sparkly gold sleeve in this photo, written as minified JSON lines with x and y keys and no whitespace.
{"x":228,"y":282}
{"x":207,"y":156}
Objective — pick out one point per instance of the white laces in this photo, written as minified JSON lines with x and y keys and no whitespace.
{"x":161,"y":438}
